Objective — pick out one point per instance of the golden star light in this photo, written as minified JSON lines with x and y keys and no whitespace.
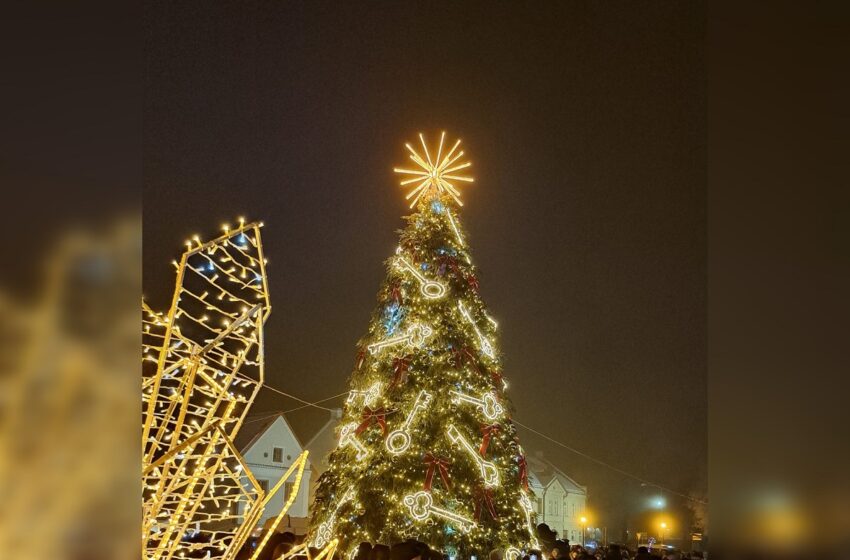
{"x":434,"y":175}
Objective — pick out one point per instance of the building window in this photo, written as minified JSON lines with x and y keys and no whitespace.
{"x":553,"y":507}
{"x":287,"y":490}
{"x":277,"y":455}
{"x":264,"y":485}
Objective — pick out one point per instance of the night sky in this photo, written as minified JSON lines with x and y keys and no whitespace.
{"x":585,"y":123}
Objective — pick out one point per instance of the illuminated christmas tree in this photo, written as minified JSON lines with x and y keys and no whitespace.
{"x":427,"y":450}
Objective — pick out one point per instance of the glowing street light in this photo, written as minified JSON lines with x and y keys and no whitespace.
{"x":583,"y":528}
{"x":663,"y":528}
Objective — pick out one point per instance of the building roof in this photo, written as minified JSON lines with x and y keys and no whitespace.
{"x":545,"y":472}
{"x":252,"y":429}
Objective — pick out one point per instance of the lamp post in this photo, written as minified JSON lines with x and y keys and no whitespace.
{"x":663,"y":528}
{"x":583,"y":529}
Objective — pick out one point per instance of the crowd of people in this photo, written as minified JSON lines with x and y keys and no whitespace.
{"x":619,"y":552}
{"x":554,"y":549}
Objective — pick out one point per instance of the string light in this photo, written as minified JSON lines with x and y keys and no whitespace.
{"x":399,"y":440}
{"x":488,"y":404}
{"x":421,"y":506}
{"x":489,"y":472}
{"x":429,"y":288}
{"x":415,"y":338}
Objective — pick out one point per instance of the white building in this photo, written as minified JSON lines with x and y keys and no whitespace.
{"x":561,"y":501}
{"x":269,"y":447}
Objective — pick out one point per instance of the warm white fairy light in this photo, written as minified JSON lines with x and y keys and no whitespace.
{"x":370,"y":395}
{"x":434,"y":175}
{"x":421,"y":506}
{"x":528,"y":509}
{"x":347,"y":438}
{"x":489,"y":473}
{"x":429,"y":288}
{"x":324,"y":533}
{"x":488,"y":404}
{"x":399,"y":440}
{"x":414,"y":337}
{"x":486,"y":346}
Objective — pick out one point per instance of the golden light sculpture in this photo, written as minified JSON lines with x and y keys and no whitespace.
{"x":434,"y":175}
{"x":202,"y":367}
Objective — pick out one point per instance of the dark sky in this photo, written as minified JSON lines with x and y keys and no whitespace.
{"x":585,"y":123}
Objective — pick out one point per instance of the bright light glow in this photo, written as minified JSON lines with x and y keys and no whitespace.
{"x":370,"y":395}
{"x":347,"y":438}
{"x":454,"y":227}
{"x":415,"y":338}
{"x":433,"y":175}
{"x":485,"y":345}
{"x":488,"y":405}
{"x":421,"y":505}
{"x":584,"y":520}
{"x":489,"y":473}
{"x":324,"y":533}
{"x":429,"y":288}
{"x":399,"y":440}
{"x":528,"y":509}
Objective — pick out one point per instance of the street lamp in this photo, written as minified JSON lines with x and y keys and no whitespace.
{"x":583,"y":528}
{"x":663,"y":527}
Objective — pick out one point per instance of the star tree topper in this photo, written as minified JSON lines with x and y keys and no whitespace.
{"x":432,"y":177}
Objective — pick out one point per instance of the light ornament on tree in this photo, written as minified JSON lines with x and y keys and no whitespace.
{"x":488,"y":405}
{"x":455,"y":230}
{"x":421,"y":506}
{"x":324,"y":533}
{"x":432,"y":179}
{"x":489,"y":473}
{"x":429,"y":288}
{"x":512,"y":553}
{"x":399,"y":440}
{"x":370,"y":395}
{"x":483,"y":343}
{"x":414,"y":338}
{"x":348,"y":439}
{"x":528,"y":509}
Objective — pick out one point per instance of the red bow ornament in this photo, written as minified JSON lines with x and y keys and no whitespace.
{"x":400,"y":368}
{"x":523,"y":472}
{"x":361,"y":357}
{"x":446,"y":262}
{"x":485,"y":496}
{"x":395,"y":292}
{"x":436,"y":464}
{"x":488,"y":432}
{"x":461,"y":355}
{"x":371,"y":416}
{"x":472,"y":280}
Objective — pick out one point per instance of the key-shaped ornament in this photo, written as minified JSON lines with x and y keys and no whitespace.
{"x":370,"y":395}
{"x":429,"y":288}
{"x":489,"y":405}
{"x":347,"y":437}
{"x":399,"y":440}
{"x":324,"y":533}
{"x":489,"y":473}
{"x":421,"y":505}
{"x":525,"y":503}
{"x":414,"y":337}
{"x":483,"y":343}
